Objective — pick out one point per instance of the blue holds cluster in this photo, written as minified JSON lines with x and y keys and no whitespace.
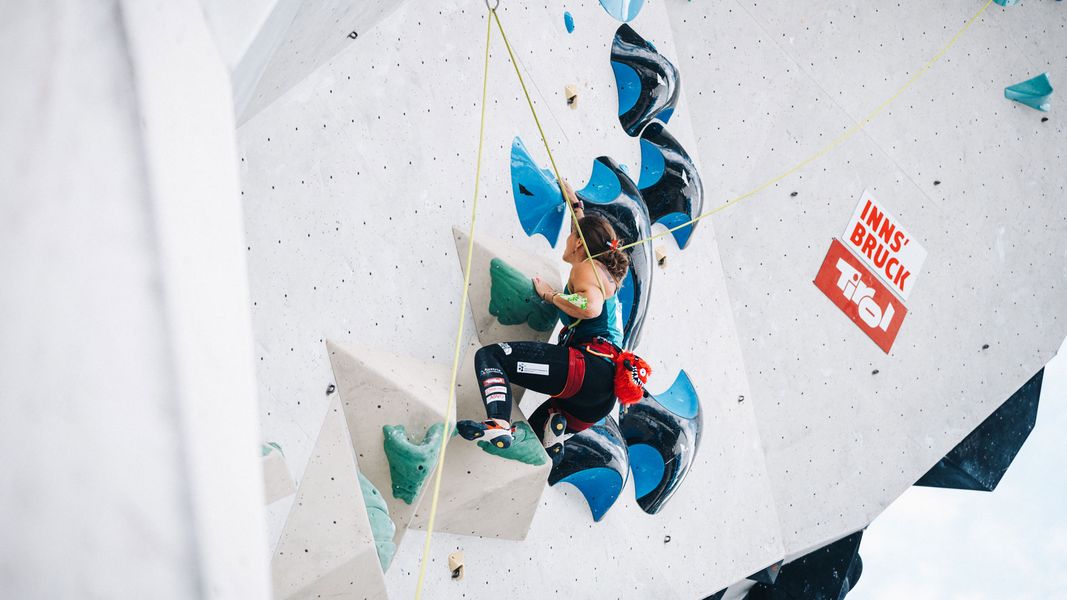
{"x":657,"y":438}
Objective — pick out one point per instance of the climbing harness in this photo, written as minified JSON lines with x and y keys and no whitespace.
{"x":631,"y":371}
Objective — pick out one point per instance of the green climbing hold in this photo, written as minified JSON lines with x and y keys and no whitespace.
{"x":513,"y":301}
{"x":410,"y":463}
{"x":524,"y":448}
{"x":381,"y":525}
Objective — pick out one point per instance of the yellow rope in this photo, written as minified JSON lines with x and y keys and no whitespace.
{"x":544,"y":139}
{"x":832,"y":145}
{"x":459,"y":326}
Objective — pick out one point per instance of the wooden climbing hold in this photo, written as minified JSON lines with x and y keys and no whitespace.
{"x":661,"y":257}
{"x":455,"y":564}
{"x":571,"y":93}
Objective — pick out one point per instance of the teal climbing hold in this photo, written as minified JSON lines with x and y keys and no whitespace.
{"x":381,"y":525}
{"x":568,"y":21}
{"x":411,"y":463}
{"x":269,"y":447}
{"x":513,"y":301}
{"x":1006,"y":2}
{"x":525,"y":448}
{"x":1035,"y":93}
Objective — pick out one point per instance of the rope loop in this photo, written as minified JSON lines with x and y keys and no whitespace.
{"x":493,"y":7}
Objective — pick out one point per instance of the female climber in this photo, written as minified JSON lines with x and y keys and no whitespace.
{"x":579,"y":373}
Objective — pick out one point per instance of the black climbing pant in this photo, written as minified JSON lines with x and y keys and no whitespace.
{"x":548,"y":369}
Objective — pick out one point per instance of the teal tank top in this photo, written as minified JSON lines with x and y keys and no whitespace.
{"x":608,"y":324}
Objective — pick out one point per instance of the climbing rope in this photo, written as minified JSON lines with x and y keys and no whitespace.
{"x":467,"y":270}
{"x":462,"y":319}
{"x":829,"y":147}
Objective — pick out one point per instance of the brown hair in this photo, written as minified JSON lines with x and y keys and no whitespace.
{"x":599,"y":235}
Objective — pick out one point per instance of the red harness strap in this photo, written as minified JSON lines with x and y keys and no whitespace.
{"x":575,"y":379}
{"x":573,"y":423}
{"x":575,"y":374}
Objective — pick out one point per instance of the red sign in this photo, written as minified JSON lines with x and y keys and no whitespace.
{"x":870,"y":305}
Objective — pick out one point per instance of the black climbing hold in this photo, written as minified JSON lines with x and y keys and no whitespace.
{"x":330,"y":389}
{"x":793,"y":194}
{"x":1043,"y":119}
{"x":985,"y":346}
{"x":874,"y":372}
{"x":524,"y":191}
{"x":353,"y":35}
{"x":740,"y":399}
{"x":938,"y":182}
{"x":666,"y":539}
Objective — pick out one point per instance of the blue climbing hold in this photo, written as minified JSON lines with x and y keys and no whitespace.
{"x":595,"y":462}
{"x":568,"y":22}
{"x":538,"y":199}
{"x":1035,"y":93}
{"x":623,"y":10}
{"x":662,"y":434}
{"x":648,"y":84}
{"x":1006,"y":2}
{"x":628,"y":83}
{"x":647,"y":465}
{"x":670,"y":185}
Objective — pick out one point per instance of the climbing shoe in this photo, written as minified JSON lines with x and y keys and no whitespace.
{"x":495,"y":431}
{"x":554,"y":436}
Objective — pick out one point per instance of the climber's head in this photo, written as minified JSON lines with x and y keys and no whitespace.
{"x":599,"y":234}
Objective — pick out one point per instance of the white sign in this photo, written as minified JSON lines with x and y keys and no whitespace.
{"x":878,"y":239}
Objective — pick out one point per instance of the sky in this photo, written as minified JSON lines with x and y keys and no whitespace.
{"x":953,"y":544}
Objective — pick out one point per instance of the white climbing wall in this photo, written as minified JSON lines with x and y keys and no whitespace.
{"x":847,"y":428}
{"x":351,"y":240}
{"x":144,"y":275}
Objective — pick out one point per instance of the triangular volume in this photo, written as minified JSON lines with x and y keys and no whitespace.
{"x":489,"y":326}
{"x":482,"y":494}
{"x":327,"y":548}
{"x":378,"y":389}
{"x":982,"y":458}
